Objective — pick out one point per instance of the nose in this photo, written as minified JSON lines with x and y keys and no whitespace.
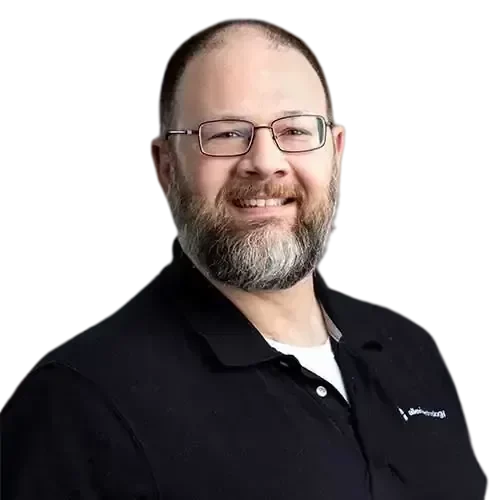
{"x":264,"y":158}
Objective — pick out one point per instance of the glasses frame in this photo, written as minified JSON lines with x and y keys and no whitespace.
{"x":326,"y":123}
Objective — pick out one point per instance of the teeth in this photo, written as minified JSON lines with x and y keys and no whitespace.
{"x":273,"y":202}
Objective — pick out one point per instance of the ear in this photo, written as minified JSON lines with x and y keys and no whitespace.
{"x":163,"y":161}
{"x":338,"y":136}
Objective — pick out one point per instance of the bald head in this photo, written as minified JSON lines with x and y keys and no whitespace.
{"x":222,"y":35}
{"x":244,"y":74}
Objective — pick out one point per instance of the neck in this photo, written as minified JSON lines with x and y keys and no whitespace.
{"x":291,"y":316}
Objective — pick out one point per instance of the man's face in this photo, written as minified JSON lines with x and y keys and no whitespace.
{"x":253,"y":248}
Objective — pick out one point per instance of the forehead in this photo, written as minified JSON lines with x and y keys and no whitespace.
{"x":248,"y":77}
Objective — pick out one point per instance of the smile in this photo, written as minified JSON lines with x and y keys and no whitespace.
{"x":261,"y":202}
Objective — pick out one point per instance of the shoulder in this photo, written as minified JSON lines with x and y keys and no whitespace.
{"x":384,"y":318}
{"x":109,"y":355}
{"x":404,"y":338}
{"x":65,"y":424}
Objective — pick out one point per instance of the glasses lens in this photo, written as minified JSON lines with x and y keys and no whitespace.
{"x":292,"y":133}
{"x":225,"y":137}
{"x":299,"y":133}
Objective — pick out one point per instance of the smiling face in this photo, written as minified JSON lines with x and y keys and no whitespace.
{"x":213,"y":199}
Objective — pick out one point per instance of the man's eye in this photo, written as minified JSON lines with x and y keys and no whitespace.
{"x":293,"y":131}
{"x":230,"y":134}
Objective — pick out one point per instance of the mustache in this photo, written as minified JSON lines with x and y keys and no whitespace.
{"x":268,"y":190}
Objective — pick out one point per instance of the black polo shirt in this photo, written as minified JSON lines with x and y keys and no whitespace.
{"x":178,"y":396}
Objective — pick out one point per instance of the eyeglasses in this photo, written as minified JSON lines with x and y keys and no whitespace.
{"x":292,"y":134}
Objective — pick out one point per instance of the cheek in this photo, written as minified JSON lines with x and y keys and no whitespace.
{"x":315,"y":178}
{"x":208,"y":179}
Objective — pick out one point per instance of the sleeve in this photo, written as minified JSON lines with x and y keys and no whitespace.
{"x":63,"y":439}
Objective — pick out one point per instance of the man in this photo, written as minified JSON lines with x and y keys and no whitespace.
{"x":237,"y":373}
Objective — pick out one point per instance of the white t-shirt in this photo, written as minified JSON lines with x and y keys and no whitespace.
{"x":319,"y":359}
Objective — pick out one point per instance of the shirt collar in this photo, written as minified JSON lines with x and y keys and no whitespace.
{"x":233,"y":338}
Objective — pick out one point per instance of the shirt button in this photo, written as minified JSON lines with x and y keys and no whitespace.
{"x":321,"y":391}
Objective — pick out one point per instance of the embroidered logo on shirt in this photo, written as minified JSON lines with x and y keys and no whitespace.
{"x":419,"y":411}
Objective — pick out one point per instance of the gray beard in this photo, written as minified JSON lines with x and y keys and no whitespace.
{"x":255,"y":255}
